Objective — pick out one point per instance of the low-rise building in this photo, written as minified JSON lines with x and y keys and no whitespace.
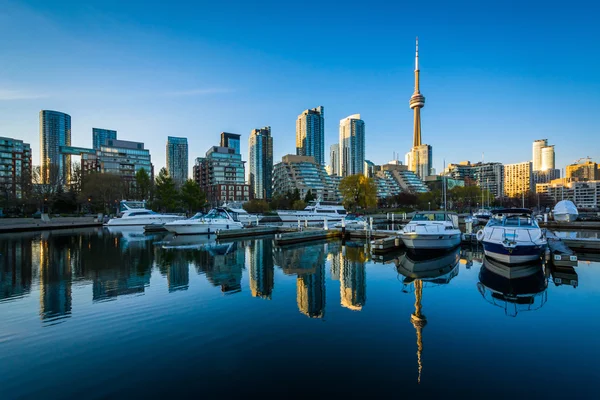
{"x":583,"y":194}
{"x":583,"y":171}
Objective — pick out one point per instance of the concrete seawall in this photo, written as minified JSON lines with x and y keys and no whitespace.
{"x":8,"y":225}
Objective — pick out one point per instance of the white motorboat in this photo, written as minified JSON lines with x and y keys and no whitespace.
{"x":135,"y":214}
{"x":432,"y":230}
{"x":242,"y":215}
{"x":352,"y":221}
{"x":512,"y":236}
{"x":565,"y":211}
{"x":217,"y":219}
{"x":315,"y":211}
{"x":426,"y":268}
{"x":482,"y":215}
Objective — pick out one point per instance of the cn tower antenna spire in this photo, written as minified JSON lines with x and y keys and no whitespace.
{"x":417,"y":101}
{"x":417,"y":56}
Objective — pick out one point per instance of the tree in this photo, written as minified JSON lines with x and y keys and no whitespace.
{"x":256,"y":206}
{"x":166,"y":193}
{"x":296,"y":195}
{"x":358,"y":191}
{"x":192,"y":197}
{"x":309,"y":196}
{"x":76,"y":178}
{"x":299,"y":205}
{"x":102,"y":190}
{"x":142,"y":184}
{"x":43,"y":190}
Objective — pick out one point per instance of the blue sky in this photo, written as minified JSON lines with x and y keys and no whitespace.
{"x":496,"y":75}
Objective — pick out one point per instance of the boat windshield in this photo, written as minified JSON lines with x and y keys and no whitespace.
{"x":352,"y":217}
{"x":217,"y":214}
{"x":197,"y":216}
{"x":431,"y":217}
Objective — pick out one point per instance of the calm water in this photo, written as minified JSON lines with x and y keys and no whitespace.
{"x":99,"y":314}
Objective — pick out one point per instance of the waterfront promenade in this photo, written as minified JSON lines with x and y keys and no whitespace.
{"x":8,"y":225}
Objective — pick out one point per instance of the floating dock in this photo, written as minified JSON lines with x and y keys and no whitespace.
{"x":560,"y":254}
{"x":310,"y":235}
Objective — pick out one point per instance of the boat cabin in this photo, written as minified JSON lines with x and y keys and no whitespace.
{"x":436,"y":216}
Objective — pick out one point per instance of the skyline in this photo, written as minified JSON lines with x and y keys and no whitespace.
{"x":150,"y":78}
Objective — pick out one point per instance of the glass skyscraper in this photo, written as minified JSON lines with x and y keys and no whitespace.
{"x":260,"y":149}
{"x":55,"y":131}
{"x":99,"y":137}
{"x":310,"y":134}
{"x":177,"y":159}
{"x":352,"y":146}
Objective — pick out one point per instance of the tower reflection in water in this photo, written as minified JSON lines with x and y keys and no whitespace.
{"x":308,"y":264}
{"x":260,"y":259}
{"x":16,"y":269}
{"x":353,"y":277}
{"x":421,"y":271}
{"x":514,"y":288}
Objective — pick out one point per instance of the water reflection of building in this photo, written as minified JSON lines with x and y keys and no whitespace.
{"x":308,"y":263}
{"x":334,"y":258}
{"x":178,"y":275}
{"x":419,"y":271}
{"x":55,"y":278}
{"x":223,"y":265}
{"x":353,"y":282}
{"x":15,"y":267}
{"x":261,"y":268}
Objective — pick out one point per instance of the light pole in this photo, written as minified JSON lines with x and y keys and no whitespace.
{"x":429,"y":203}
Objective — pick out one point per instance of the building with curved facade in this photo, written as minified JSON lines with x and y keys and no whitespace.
{"x":55,"y":131}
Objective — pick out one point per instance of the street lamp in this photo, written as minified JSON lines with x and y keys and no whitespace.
{"x":429,"y":203}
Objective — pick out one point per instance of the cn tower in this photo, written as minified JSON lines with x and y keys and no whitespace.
{"x":417,"y":101}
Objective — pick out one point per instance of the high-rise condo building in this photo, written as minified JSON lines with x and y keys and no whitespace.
{"x":537,"y":153}
{"x":310,"y":134}
{"x":177,"y":159}
{"x":15,"y":168}
{"x":100,"y":136}
{"x":352,"y":146}
{"x":490,"y":176}
{"x":583,"y":171}
{"x":55,"y":131}
{"x":260,"y":159}
{"x":221,"y":175}
{"x":419,"y":159}
{"x":517,"y":179}
{"x":334,"y":159}
{"x":548,"y":158}
{"x":231,"y":140}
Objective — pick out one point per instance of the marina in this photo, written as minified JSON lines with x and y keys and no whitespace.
{"x":95,"y":300}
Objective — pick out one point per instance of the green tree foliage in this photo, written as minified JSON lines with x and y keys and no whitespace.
{"x":358,"y":191}
{"x":192,"y":197}
{"x":309,"y":196}
{"x":256,"y":206}
{"x":102,"y":191}
{"x":166,"y":195}
{"x":143,"y":184}
{"x":299,"y":205}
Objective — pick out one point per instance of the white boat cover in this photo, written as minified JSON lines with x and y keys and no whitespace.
{"x":565,"y":207}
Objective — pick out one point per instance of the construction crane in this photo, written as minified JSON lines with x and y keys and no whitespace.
{"x":578,"y":161}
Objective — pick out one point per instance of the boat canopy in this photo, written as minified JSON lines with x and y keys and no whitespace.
{"x":565,"y":207}
{"x":512,"y":211}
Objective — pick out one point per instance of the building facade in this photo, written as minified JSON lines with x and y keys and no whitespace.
{"x":310,"y":134}
{"x":220,"y":175}
{"x":100,"y":136}
{"x":260,"y":159}
{"x":231,"y":140}
{"x":419,"y":160}
{"x":334,"y":159}
{"x":548,"y":158}
{"x":177,"y":159}
{"x":119,"y":157}
{"x":55,"y":131}
{"x":585,"y":194}
{"x":490,"y":176}
{"x":352,"y":146}
{"x":538,"y":145}
{"x":305,"y":174}
{"x":583,"y":171}
{"x":15,"y":168}
{"x":518,"y":179}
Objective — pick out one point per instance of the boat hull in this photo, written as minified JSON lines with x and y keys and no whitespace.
{"x":143,"y":221}
{"x":430,"y":241}
{"x":200,"y":229}
{"x":518,"y":254}
{"x":300,"y":216}
{"x":565,"y":217}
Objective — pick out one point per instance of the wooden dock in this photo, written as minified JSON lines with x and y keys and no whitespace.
{"x":566,"y":226}
{"x":30,"y":224}
{"x":308,"y":235}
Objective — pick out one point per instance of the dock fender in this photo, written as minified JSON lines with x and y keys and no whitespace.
{"x":480,"y":235}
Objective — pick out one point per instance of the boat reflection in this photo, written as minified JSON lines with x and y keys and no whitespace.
{"x":564,"y":275}
{"x":419,"y":271}
{"x":513,"y":288}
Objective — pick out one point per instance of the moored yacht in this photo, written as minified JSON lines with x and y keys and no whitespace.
{"x":482,"y":215}
{"x":242,"y":215}
{"x":315,"y":211}
{"x":352,"y":221}
{"x":216,"y":219}
{"x":135,"y":214}
{"x":512,"y":236}
{"x":432,"y":230}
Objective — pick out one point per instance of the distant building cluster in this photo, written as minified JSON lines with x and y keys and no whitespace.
{"x":221,"y":172}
